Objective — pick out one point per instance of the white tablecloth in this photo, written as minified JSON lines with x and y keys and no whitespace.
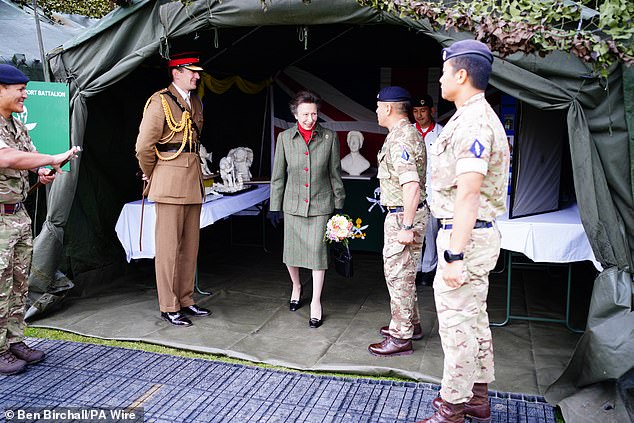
{"x":128,"y":224}
{"x":556,"y":237}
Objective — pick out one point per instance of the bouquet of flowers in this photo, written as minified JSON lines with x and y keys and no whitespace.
{"x":340,"y":229}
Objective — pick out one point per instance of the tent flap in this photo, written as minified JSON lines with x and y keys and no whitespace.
{"x":628,"y":96}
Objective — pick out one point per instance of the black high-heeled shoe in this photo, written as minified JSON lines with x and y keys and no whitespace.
{"x":315,"y":323}
{"x":294,"y":305}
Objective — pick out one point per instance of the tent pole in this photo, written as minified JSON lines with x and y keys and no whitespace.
{"x":266,"y":109}
{"x":40,"y":42}
{"x":272,"y":111}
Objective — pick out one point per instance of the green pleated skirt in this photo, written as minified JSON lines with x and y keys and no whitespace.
{"x":304,"y":244}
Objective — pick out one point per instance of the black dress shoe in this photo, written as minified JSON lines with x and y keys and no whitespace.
{"x":176,"y":318}
{"x":194,"y":310}
{"x":294,"y":305}
{"x":315,"y":323}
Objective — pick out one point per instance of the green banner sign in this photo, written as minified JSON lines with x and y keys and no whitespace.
{"x":46,"y":116}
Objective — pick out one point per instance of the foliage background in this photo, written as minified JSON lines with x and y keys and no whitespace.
{"x":91,"y":8}
{"x":600,"y":32}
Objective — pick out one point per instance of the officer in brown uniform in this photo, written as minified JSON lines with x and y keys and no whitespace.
{"x":470,"y":162}
{"x":17,"y":157}
{"x":167,"y":149}
{"x":402,"y":165}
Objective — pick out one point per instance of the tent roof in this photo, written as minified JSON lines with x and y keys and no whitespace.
{"x":147,"y":27}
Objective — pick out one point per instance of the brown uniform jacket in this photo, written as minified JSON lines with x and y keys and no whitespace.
{"x":177,"y":181}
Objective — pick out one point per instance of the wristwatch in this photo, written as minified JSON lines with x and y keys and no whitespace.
{"x":451,"y":257}
{"x":408,"y":227}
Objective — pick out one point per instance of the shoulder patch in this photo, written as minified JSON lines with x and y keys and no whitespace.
{"x":477,"y":148}
{"x":405,"y":154}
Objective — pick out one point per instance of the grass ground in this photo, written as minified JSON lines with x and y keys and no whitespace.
{"x":159,"y":349}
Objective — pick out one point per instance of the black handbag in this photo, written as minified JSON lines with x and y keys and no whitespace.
{"x":342,"y":259}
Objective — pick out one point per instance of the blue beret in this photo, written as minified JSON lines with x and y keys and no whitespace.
{"x":11,"y":75}
{"x":423,"y":100}
{"x":393,"y":94}
{"x":460,"y":48}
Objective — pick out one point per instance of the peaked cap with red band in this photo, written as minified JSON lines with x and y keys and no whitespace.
{"x":184,"y":60}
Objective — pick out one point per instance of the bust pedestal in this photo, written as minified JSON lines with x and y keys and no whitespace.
{"x":354,"y":164}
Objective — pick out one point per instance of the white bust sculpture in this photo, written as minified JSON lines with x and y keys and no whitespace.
{"x":354,"y":163}
{"x":227,"y":172}
{"x":205,"y":157}
{"x":242,"y":159}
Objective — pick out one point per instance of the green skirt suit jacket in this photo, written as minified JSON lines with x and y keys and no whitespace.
{"x":306,"y":185}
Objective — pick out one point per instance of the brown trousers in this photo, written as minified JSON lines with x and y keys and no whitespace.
{"x":177,"y":234}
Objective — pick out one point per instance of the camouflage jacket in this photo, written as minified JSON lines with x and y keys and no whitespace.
{"x":14,"y":184}
{"x":402,"y":159}
{"x":472,"y":141}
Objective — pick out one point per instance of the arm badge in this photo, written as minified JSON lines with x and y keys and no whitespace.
{"x":477,"y":148}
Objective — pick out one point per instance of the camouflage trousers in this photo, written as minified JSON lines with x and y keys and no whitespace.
{"x":16,"y":247}
{"x":399,"y":266}
{"x":463,"y":322}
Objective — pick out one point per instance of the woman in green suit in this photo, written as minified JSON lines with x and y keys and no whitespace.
{"x":306,"y":186}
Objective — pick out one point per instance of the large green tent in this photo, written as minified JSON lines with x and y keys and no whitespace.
{"x":599,"y":113}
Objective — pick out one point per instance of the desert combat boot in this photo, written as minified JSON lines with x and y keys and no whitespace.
{"x":10,"y":364}
{"x":26,"y":353}
{"x":447,"y":413}
{"x":477,"y":408}
{"x":391,"y":346}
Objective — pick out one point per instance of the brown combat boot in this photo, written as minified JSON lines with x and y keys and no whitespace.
{"x":26,"y":353}
{"x":418,"y":332}
{"x":447,"y":413}
{"x":10,"y":364}
{"x":478,"y":407}
{"x":391,"y":346}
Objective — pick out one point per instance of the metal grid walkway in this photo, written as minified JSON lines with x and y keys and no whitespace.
{"x":175,"y":389}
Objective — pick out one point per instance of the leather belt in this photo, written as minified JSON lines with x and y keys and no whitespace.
{"x":479,"y":224}
{"x":399,"y":209}
{"x":10,"y":208}
{"x":173,"y":148}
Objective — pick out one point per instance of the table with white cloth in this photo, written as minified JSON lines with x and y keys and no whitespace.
{"x":129,"y":222}
{"x":555,"y":237}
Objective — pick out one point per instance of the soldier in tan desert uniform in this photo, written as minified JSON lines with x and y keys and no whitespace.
{"x":470,"y":162}
{"x":402,"y":165}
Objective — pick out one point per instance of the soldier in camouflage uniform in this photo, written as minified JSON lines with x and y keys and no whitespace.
{"x":470,"y":162}
{"x":402,"y":165}
{"x":17,"y":156}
